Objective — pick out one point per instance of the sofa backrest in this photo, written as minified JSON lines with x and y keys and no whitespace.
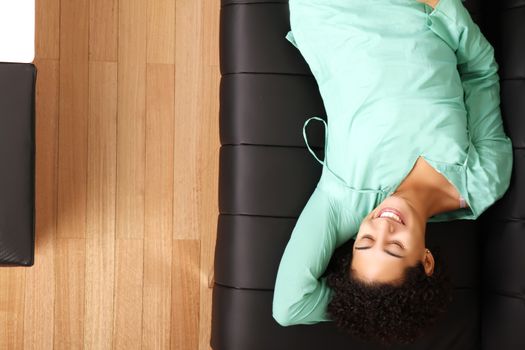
{"x":503,"y":234}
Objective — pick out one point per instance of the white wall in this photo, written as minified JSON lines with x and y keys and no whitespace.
{"x":17,"y":31}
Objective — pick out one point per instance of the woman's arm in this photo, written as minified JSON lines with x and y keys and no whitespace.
{"x":489,"y":162}
{"x":301,"y":295}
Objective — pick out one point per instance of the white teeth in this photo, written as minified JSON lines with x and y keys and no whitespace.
{"x":390,"y":215}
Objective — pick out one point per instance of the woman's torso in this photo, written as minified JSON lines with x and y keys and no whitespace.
{"x":390,"y":88}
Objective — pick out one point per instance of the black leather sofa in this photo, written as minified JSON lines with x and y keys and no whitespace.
{"x":266,"y":175}
{"x":17,"y":164}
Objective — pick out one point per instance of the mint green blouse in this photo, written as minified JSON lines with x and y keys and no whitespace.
{"x":399,"y":80}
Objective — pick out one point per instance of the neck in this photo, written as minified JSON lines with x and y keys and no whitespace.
{"x":428,"y":192}
{"x":426,"y":198}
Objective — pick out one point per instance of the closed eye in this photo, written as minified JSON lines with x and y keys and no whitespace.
{"x":389,"y":242}
{"x":386,"y":251}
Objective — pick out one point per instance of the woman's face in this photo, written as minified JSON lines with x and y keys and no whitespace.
{"x":383,"y":247}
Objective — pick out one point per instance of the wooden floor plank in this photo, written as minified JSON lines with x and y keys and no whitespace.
{"x":161,"y":31}
{"x":40,"y":278}
{"x":208,"y":164}
{"x":156,"y":323}
{"x":188,"y":115}
{"x":70,"y":259}
{"x":159,"y":152}
{"x":131,"y":118}
{"x":12,"y":307}
{"x":47,"y":29}
{"x":185,"y":294}
{"x":158,"y":206}
{"x":103,"y":30}
{"x":128,"y":294}
{"x":73,"y":117}
{"x":101,"y":194}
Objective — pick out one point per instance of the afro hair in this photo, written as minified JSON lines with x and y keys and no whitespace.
{"x":388,"y":313}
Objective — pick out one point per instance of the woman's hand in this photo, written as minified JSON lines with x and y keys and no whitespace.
{"x":431,"y":3}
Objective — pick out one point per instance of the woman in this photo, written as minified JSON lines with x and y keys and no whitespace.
{"x":414,"y":135}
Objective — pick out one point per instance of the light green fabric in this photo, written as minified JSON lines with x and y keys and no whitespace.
{"x":398,"y":80}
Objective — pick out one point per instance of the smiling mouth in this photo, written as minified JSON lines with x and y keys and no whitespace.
{"x":391,"y":214}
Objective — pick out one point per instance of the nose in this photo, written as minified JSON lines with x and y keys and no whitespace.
{"x":380,"y":222}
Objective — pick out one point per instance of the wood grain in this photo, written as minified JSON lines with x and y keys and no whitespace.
{"x":103,"y":30}
{"x":70,"y":260}
{"x":126,"y":184}
{"x":131,"y":118}
{"x":185,"y":286}
{"x":188,"y":112}
{"x":161,"y":31}
{"x":73,"y":117}
{"x":12,"y":307}
{"x":47,"y":29}
{"x":40,"y":278}
{"x":158,"y":206}
{"x":128,"y":294}
{"x":101,"y":192}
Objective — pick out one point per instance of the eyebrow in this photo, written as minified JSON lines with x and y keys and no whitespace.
{"x":386,"y":251}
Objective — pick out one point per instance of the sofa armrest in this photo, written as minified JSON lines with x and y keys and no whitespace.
{"x":17,"y":163}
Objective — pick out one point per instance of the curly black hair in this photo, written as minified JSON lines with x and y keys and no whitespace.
{"x":388,"y":313}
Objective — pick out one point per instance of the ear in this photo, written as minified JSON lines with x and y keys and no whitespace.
{"x":428,"y":263}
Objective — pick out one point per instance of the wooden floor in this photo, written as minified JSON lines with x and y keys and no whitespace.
{"x":126,"y":179}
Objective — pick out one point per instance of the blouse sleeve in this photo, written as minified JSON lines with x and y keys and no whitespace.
{"x":489,"y":160}
{"x":301,"y":295}
{"x":303,"y":34}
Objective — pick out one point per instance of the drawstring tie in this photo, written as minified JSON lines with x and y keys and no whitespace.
{"x":323,"y":162}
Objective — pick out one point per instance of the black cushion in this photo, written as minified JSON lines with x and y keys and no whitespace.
{"x":266,"y":175}
{"x":17,"y":163}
